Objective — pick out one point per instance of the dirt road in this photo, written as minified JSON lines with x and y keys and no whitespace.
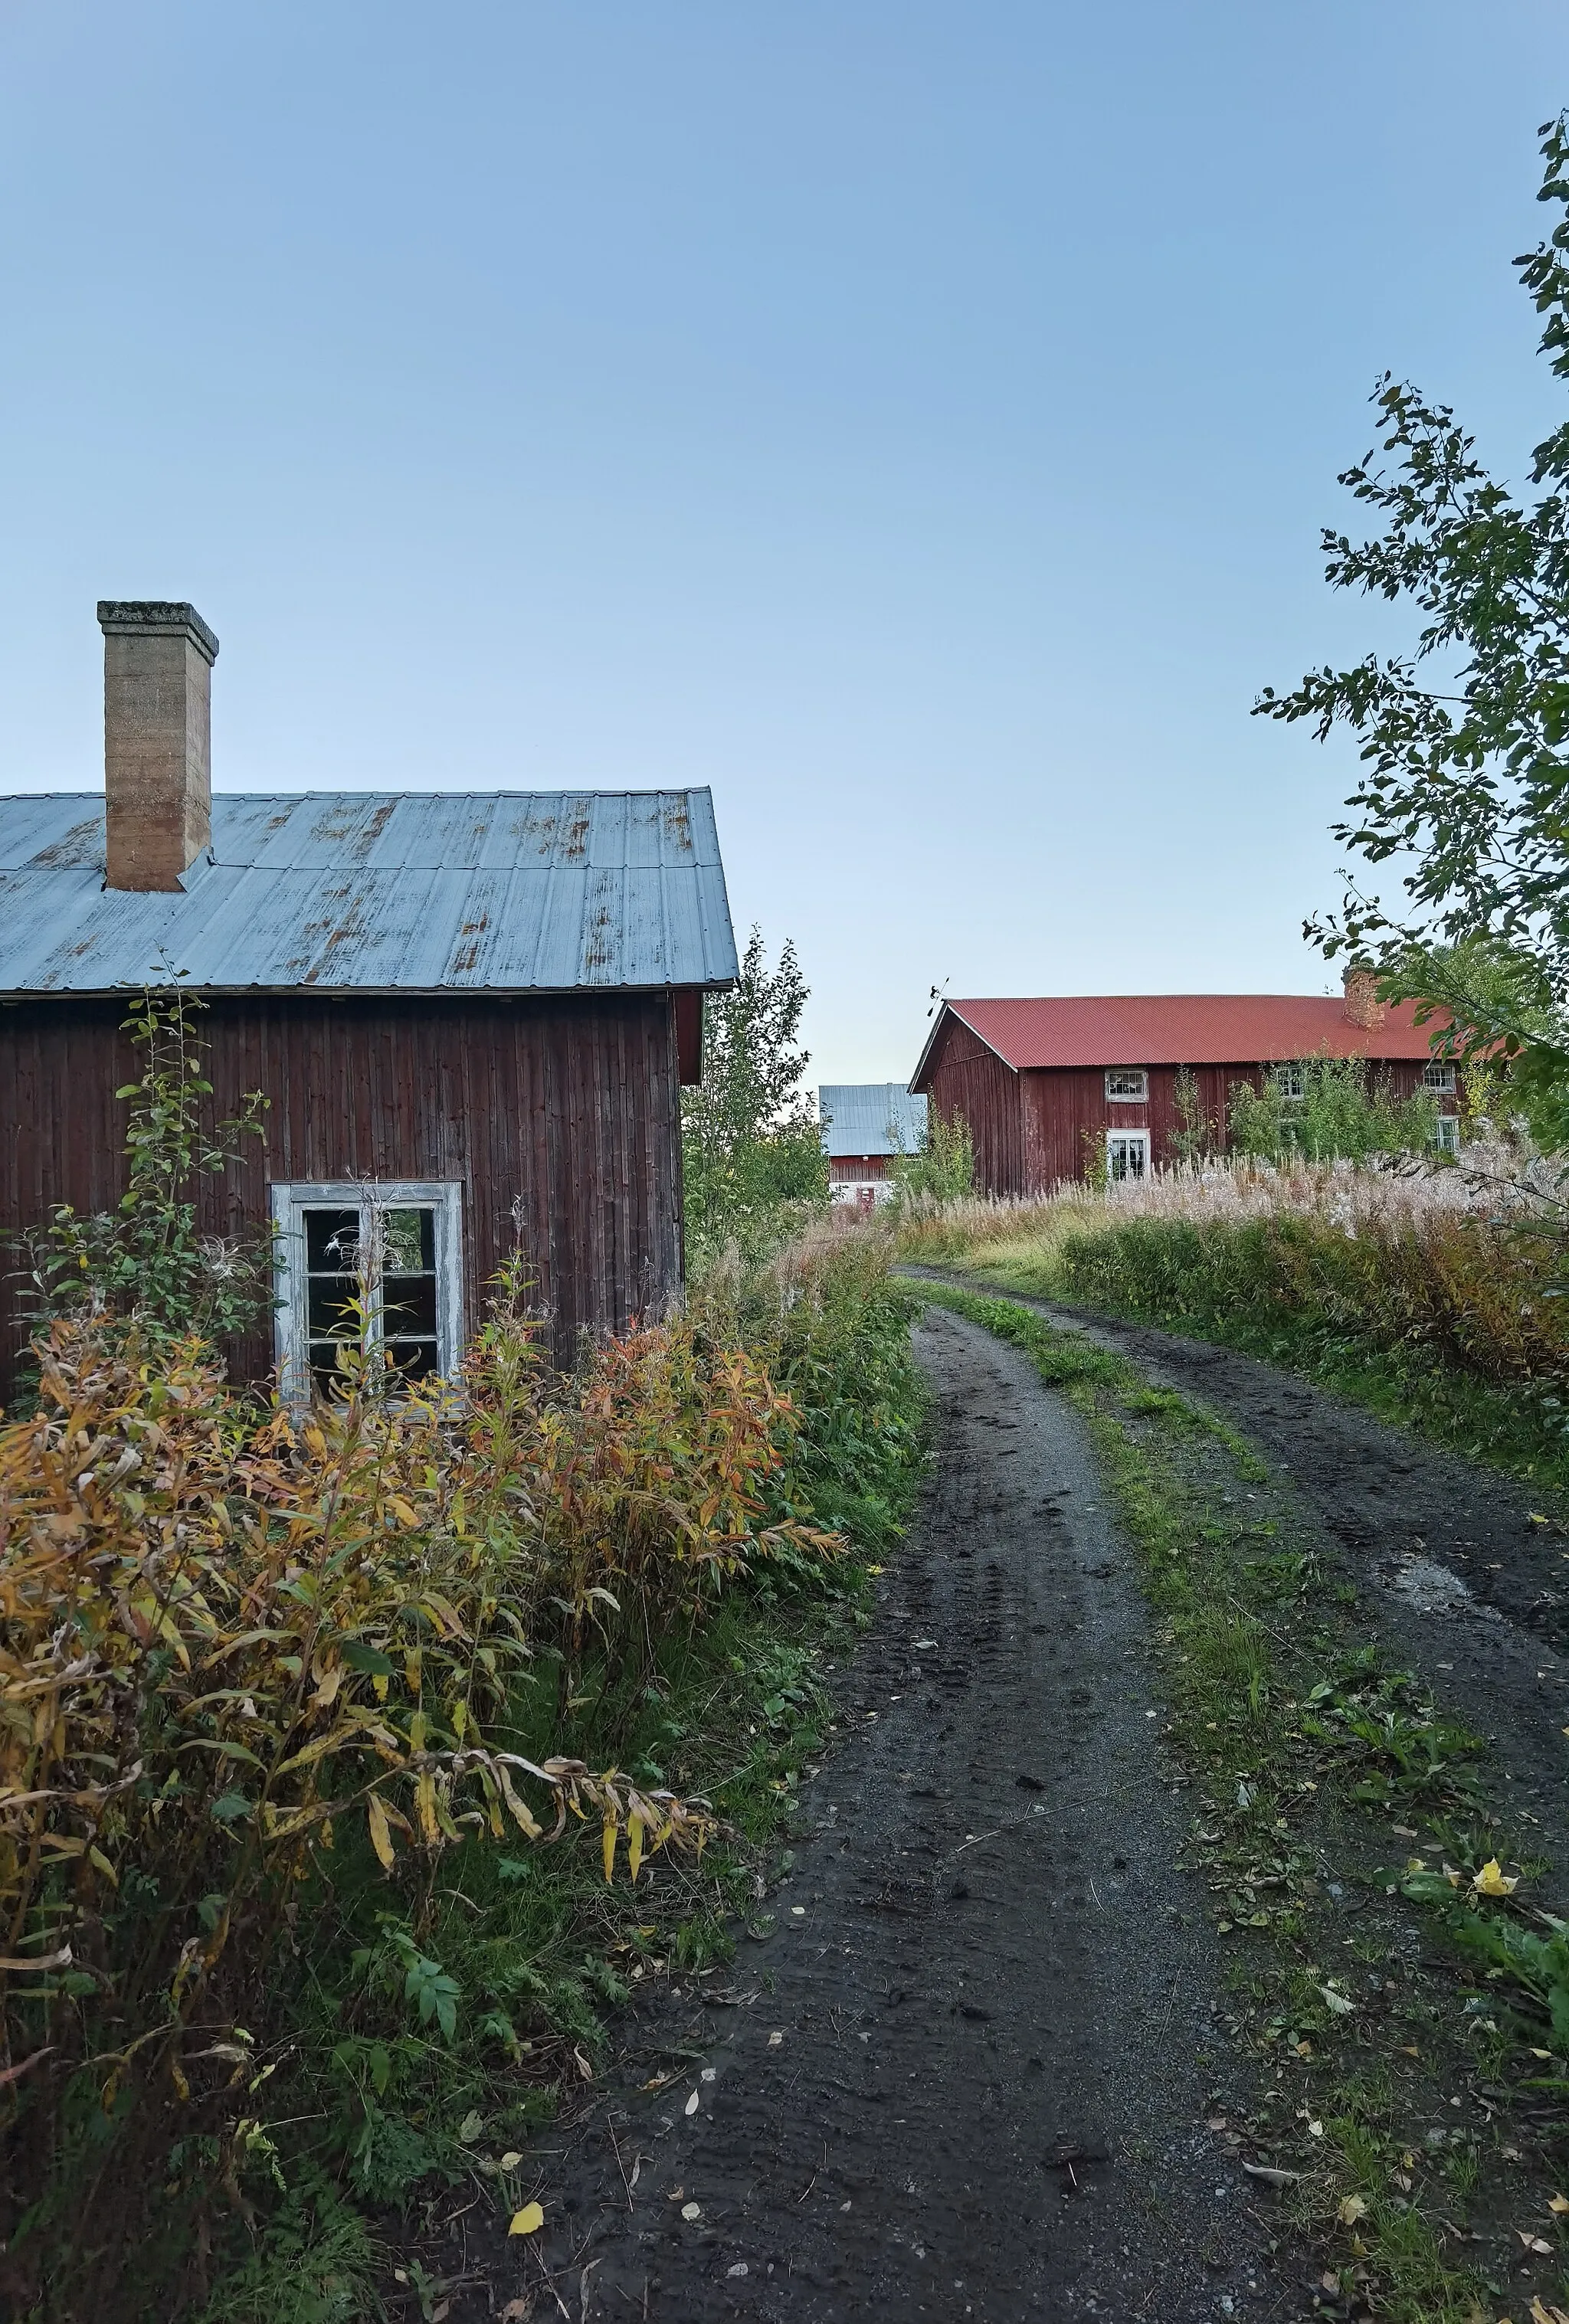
{"x":1453,"y":1564}
{"x":969,"y":2071}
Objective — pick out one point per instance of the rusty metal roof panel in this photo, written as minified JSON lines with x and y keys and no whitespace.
{"x":374,"y":892}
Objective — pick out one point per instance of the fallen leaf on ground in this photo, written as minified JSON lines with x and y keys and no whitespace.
{"x":1315,"y":2130}
{"x":1558,"y":2202}
{"x":517,"y":2312}
{"x":469,"y":2128}
{"x":1492,"y":1880}
{"x":691,"y":2107}
{"x":1533,"y":2243}
{"x":1337,"y":2002}
{"x":1542,"y":2314}
{"x":511,"y":2159}
{"x":774,"y":2040}
{"x":1352,"y":2209}
{"x":1276,"y":2178}
{"x":691,"y":2210}
{"x":527,"y":2221}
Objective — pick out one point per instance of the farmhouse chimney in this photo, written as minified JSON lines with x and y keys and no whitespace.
{"x":1363,"y":1004}
{"x":158,"y":662}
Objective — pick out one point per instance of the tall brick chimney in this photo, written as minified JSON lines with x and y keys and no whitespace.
{"x":158,"y":664}
{"x":1363,"y":1004}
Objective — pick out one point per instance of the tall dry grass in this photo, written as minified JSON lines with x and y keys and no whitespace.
{"x":1461,"y":1262}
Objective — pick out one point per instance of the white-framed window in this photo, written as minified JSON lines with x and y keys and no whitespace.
{"x":396,"y":1245}
{"x":1446,"y":1132}
{"x":1130,"y":1084}
{"x":1126,"y":1155}
{"x":1290,"y":1080}
{"x":1438,"y":1074}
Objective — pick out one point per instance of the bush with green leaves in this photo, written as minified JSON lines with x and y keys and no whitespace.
{"x":147,"y":1258}
{"x":752,"y":1147}
{"x":942,"y":1166}
{"x":1463,"y":733}
{"x":1324,"y":1110}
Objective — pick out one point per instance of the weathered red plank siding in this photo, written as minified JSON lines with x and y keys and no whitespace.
{"x":1063,"y":1112}
{"x":563,"y":1114}
{"x":968,"y":1079}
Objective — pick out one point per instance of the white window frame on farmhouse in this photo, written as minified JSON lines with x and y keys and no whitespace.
{"x":1133,"y":1143}
{"x":1127,"y":1085}
{"x":293,"y":1199}
{"x":1290,"y":1081}
{"x":1446,"y":1132}
{"x":1438,"y":1075}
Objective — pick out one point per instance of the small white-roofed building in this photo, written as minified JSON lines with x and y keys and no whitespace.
{"x":864,"y":1125}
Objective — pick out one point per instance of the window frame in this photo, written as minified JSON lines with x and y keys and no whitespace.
{"x":290,"y":1198}
{"x":1140,"y":1097}
{"x":1446,"y":1132}
{"x":1444,"y":1069}
{"x":1130,"y":1177}
{"x":1277,"y":1074}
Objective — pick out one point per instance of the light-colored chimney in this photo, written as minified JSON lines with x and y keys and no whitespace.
{"x":158,"y":664}
{"x":1363,"y":1004}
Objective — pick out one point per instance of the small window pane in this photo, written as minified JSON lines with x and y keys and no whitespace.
{"x":1438,"y":1075}
{"x":324,"y":1364}
{"x":332,"y":1241}
{"x":1128,"y":1081}
{"x":410,"y":1242}
{"x":329,"y":1306}
{"x":409,"y":1304}
{"x":414,"y":1359}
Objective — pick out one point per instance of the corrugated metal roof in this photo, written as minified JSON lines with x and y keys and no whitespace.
{"x":1179,"y":1028}
{"x":856,"y":1115}
{"x":409,"y":892}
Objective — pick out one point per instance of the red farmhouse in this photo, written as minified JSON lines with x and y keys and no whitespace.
{"x":1047,"y":1086}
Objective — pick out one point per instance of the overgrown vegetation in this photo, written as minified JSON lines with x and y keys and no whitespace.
{"x":941,"y":1168}
{"x":751,"y":1144}
{"x":1432,"y":1296}
{"x":303,"y":1712}
{"x":147,"y":1258}
{"x":1323,"y":1110}
{"x":1384,"y":1955}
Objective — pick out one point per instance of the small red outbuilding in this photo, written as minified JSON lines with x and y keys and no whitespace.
{"x":1048,"y":1086}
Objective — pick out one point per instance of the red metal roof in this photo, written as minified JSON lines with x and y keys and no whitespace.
{"x":1180,"y":1029}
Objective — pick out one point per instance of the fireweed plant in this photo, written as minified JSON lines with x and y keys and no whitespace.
{"x":301,"y":1710}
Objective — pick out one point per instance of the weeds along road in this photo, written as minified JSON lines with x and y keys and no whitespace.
{"x":1456,"y":1574}
{"x":968,"y":2073}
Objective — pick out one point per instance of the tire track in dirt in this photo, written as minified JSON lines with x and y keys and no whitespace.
{"x":1453,"y":1571}
{"x":967,"y":2073}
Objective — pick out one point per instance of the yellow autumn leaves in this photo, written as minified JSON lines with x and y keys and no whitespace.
{"x":226,"y":1630}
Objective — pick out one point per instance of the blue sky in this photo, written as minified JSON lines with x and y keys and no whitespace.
{"x":913,"y":420}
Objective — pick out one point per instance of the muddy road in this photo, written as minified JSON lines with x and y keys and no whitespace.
{"x":969,"y":2072}
{"x":1455,"y":1567}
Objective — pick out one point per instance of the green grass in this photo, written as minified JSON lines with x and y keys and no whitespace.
{"x":1413,"y":1387}
{"x":1308,"y":1760}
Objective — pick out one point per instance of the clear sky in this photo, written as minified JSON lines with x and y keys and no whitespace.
{"x":913,"y":418}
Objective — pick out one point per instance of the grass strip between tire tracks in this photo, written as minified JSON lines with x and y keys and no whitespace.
{"x":1414,"y":2083}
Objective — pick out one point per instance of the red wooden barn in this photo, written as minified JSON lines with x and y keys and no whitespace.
{"x":1049,"y":1087}
{"x":471,"y":1012}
